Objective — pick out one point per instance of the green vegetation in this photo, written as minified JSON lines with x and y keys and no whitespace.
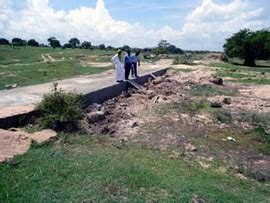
{"x":60,"y":110}
{"x":249,"y":46}
{"x":83,"y":168}
{"x":260,"y":135}
{"x":207,"y":90}
{"x":243,"y":74}
{"x":29,"y":72}
{"x":181,"y":59}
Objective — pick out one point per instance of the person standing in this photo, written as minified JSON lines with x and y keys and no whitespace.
{"x":128,"y":64}
{"x":119,"y":66}
{"x":135,"y":63}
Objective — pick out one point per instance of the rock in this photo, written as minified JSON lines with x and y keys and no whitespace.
{"x":216,"y":104}
{"x":95,"y":117}
{"x":134,"y":124}
{"x":157,"y":81}
{"x":123,"y":104}
{"x":196,"y":199}
{"x":11,"y":86}
{"x":231,"y":139}
{"x":124,"y":139}
{"x":150,"y":94}
{"x":8,"y":87}
{"x":191,"y":148}
{"x":217,"y":81}
{"x":227,"y":101}
{"x":168,"y":80}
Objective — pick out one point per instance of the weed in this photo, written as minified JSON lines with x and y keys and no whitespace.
{"x":60,"y":110}
{"x":207,"y":90}
{"x":223,"y":116}
{"x":260,"y":135}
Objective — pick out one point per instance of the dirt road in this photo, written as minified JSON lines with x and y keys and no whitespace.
{"x":16,"y":101}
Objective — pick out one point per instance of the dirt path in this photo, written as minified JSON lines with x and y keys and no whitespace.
{"x":45,"y":58}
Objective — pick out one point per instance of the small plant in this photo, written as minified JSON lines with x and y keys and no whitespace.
{"x":223,"y":116}
{"x":181,"y":59}
{"x":207,"y":90}
{"x":261,"y":135}
{"x":60,"y":111}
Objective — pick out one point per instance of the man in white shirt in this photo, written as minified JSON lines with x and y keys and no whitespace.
{"x":119,"y":67}
{"x":136,"y":61}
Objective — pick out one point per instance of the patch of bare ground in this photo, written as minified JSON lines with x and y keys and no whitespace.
{"x":16,"y":142}
{"x":169,"y":117}
{"x":96,"y":64}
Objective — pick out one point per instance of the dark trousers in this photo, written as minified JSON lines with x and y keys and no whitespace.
{"x":134,"y":70}
{"x":127,"y":70}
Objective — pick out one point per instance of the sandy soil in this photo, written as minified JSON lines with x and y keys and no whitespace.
{"x":15,"y":110}
{"x":17,"y":142}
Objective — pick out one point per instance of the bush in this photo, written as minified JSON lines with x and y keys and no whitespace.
{"x":182,"y":59}
{"x":60,"y":110}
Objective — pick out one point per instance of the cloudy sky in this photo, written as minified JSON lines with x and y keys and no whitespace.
{"x":189,"y":24}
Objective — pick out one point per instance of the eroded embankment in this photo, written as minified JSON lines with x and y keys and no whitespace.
{"x":189,"y":117}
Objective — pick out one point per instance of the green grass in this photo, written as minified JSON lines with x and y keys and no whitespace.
{"x":233,"y":67}
{"x":88,"y":169}
{"x":10,"y":55}
{"x":45,"y":72}
{"x":260,"y":135}
{"x":31,"y":73}
{"x":207,"y":90}
{"x":243,"y":74}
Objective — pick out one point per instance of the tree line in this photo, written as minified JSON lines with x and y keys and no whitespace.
{"x":163,"y":46}
{"x":245,"y":44}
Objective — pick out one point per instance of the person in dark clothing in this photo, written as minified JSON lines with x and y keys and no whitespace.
{"x":135,"y":62}
{"x":128,"y":65}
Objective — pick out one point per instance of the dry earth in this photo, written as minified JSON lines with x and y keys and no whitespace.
{"x":162,"y":117}
{"x":16,"y":142}
{"x":159,"y":118}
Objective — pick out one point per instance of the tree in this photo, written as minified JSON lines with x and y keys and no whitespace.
{"x":74,"y":42}
{"x":33,"y":43}
{"x":249,"y":46}
{"x":162,"y":46}
{"x":18,"y":42}
{"x":53,"y":42}
{"x":102,"y":46}
{"x":4,"y":41}
{"x":110,"y":48}
{"x":126,"y":48}
{"x":86,"y":45}
{"x":171,"y":49}
{"x":67,"y":46}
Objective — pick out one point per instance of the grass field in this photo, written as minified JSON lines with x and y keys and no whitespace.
{"x":25,"y":66}
{"x":87,"y":169}
{"x":243,"y":74}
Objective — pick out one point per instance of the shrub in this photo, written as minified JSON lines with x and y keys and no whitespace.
{"x":60,"y":110}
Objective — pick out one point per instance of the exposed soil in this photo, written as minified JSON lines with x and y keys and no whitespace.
{"x":16,"y":142}
{"x":158,"y":118}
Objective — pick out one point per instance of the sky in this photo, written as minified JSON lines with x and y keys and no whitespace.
{"x":188,"y":24}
